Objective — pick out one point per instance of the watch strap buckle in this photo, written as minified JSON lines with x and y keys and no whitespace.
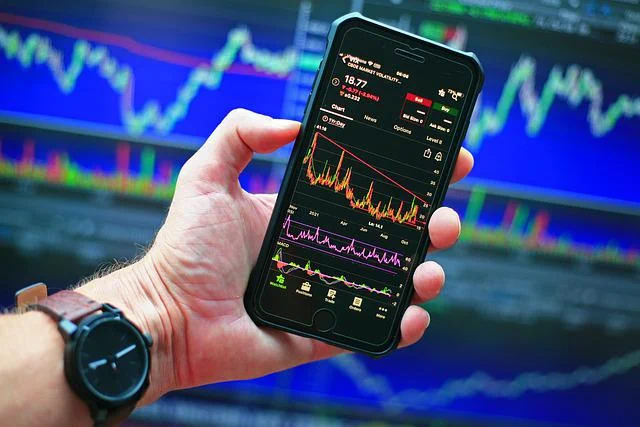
{"x":30,"y":295}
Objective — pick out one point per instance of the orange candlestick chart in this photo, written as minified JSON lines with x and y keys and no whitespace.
{"x":340,"y":179}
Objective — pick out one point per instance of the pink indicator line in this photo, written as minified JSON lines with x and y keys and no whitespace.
{"x":338,"y":255}
{"x":307,"y":233}
{"x":344,"y":237}
{"x":371,"y":167}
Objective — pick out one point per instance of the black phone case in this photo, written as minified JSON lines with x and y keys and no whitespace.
{"x":250,"y":297}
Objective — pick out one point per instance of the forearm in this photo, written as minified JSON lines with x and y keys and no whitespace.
{"x":33,"y":387}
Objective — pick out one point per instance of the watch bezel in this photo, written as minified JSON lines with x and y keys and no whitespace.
{"x":74,"y":372}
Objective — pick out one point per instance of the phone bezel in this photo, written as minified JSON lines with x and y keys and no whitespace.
{"x":256,"y":282}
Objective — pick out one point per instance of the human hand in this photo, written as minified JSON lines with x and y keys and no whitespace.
{"x":188,"y":289}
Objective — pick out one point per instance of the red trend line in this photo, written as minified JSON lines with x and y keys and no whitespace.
{"x":371,"y":167}
{"x":124,"y":42}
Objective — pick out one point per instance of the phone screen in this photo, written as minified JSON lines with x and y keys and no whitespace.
{"x":375,"y":154}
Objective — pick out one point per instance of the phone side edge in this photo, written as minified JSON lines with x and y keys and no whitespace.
{"x":478,"y":72}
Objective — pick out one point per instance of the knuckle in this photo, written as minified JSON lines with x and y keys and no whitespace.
{"x":237,"y":114}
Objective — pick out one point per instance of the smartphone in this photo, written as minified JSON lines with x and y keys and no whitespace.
{"x":377,"y":147}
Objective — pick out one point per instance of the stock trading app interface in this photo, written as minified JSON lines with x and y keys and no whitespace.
{"x":373,"y":161}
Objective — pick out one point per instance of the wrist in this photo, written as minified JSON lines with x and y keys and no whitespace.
{"x":138,"y":291}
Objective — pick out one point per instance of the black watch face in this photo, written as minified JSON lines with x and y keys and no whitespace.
{"x":113,"y":359}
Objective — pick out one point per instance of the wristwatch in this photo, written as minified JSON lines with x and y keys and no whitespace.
{"x":106,"y":357}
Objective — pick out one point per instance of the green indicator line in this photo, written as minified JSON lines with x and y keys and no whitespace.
{"x":38,"y":50}
{"x":432,"y":30}
{"x":309,"y":61}
{"x":576,"y":86}
{"x":474,"y":207}
{"x":489,"y":13}
{"x":147,"y":164}
{"x":288,"y":267}
{"x":519,"y":220}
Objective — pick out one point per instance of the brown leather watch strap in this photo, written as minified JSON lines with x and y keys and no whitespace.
{"x":69,"y":305}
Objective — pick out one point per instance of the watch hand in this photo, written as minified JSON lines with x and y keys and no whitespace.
{"x":96,"y":364}
{"x":124,"y":351}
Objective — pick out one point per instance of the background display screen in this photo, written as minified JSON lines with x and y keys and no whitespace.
{"x":374,"y":156}
{"x":539,"y":321}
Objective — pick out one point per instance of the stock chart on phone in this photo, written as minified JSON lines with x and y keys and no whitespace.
{"x":370,"y":170}
{"x":539,"y":323}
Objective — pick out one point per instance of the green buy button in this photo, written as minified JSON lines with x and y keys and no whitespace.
{"x":449,"y":110}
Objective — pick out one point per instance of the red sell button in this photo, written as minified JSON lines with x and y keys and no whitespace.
{"x":418,"y":99}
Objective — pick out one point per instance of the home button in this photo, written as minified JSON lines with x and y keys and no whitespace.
{"x":324,"y":320}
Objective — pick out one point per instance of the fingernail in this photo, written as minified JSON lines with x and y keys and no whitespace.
{"x":457,"y":220}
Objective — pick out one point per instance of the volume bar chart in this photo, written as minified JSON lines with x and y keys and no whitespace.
{"x":545,"y":228}
{"x":62,"y":160}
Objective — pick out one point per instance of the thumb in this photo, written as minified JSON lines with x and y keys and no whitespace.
{"x":230,"y":147}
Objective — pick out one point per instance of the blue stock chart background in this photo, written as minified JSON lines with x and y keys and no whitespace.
{"x":126,"y":44}
{"x":565,"y":154}
{"x":540,"y":320}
